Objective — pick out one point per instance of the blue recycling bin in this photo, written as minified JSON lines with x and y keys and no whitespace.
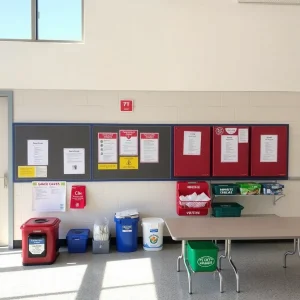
{"x":127,"y":234}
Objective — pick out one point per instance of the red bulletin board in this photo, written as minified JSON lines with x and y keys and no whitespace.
{"x":230,"y":151}
{"x":269,"y":151}
{"x":192,"y":151}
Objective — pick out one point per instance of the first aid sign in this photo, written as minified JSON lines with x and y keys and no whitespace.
{"x":126,"y":105}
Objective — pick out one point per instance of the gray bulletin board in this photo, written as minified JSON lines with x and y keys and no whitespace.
{"x":59,"y":136}
{"x":160,"y":170}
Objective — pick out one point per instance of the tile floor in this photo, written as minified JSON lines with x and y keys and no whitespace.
{"x":150,"y":276}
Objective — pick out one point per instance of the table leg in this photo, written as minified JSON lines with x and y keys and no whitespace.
{"x":296,"y":241}
{"x":233,"y":266}
{"x":186,"y":266}
{"x":178,"y":262}
{"x":223,"y":255}
{"x":221,"y":280}
{"x":181,"y":256}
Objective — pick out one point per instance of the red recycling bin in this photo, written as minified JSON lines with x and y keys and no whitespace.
{"x":192,"y":208}
{"x":40,"y":241}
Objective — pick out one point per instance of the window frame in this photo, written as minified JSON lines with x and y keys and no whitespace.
{"x":34,"y":28}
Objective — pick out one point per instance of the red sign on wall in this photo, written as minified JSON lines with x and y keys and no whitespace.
{"x":126,"y":105}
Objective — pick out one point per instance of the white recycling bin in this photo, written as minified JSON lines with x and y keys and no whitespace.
{"x":153,"y":233}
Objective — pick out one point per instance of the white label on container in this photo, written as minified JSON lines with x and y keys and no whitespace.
{"x":229,"y":148}
{"x":243,"y":135}
{"x":127,"y":228}
{"x":36,"y":247}
{"x":268,"y":148}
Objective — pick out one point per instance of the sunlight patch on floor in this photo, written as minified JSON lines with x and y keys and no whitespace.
{"x":10,"y":259}
{"x":139,"y":292}
{"x":41,"y":280}
{"x":63,"y":296}
{"x":128,"y":272}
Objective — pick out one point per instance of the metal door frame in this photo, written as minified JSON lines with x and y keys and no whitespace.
{"x":10,"y":107}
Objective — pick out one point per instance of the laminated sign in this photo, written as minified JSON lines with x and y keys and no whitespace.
{"x":128,"y":142}
{"x":78,"y":197}
{"x":36,"y":246}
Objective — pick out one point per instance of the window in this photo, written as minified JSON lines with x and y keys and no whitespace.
{"x":59,"y":20}
{"x":41,"y":20}
{"x":15,"y":19}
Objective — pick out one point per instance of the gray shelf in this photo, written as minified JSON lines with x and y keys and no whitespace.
{"x":276,"y":197}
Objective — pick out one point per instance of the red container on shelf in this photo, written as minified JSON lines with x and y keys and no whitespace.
{"x":192,"y":208}
{"x":40,"y":241}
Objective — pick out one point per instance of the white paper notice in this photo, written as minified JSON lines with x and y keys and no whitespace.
{"x":41,"y":171}
{"x":49,"y":196}
{"x":37,"y":152}
{"x":74,"y":161}
{"x":268,"y":148}
{"x":229,"y":148}
{"x":149,"y":147}
{"x":192,"y":143}
{"x":107,"y":147}
{"x":243,"y":135}
{"x":128,"y":142}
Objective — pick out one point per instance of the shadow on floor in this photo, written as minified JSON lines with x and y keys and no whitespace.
{"x":146,"y":275}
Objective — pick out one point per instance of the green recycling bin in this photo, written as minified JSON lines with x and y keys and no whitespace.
{"x":202,"y":256}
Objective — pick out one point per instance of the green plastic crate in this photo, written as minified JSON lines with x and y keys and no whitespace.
{"x":227,"y":209}
{"x":225,"y":189}
{"x":202,"y":256}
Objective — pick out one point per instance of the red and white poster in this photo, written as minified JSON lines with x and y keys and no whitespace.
{"x":128,"y":142}
{"x":149,"y":145}
{"x":107,"y":147}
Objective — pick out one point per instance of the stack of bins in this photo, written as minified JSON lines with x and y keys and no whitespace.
{"x":226,"y":209}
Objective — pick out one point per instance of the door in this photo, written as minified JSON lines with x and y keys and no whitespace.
{"x":3,"y":171}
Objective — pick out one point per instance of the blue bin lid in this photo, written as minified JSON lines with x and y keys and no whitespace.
{"x":133,"y":220}
{"x":78,"y":233}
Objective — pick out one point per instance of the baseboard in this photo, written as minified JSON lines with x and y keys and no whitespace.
{"x":17,"y":244}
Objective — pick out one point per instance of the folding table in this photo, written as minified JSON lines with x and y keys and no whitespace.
{"x":228,"y":229}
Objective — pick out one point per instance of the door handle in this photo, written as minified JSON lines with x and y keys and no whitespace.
{"x":5,"y":177}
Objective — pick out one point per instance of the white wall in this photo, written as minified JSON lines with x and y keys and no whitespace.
{"x":187,"y":46}
{"x":191,"y":45}
{"x":156,"y":198}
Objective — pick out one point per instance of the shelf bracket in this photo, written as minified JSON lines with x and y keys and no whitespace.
{"x":277,"y":198}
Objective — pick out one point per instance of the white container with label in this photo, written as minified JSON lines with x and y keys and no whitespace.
{"x":153,"y":233}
